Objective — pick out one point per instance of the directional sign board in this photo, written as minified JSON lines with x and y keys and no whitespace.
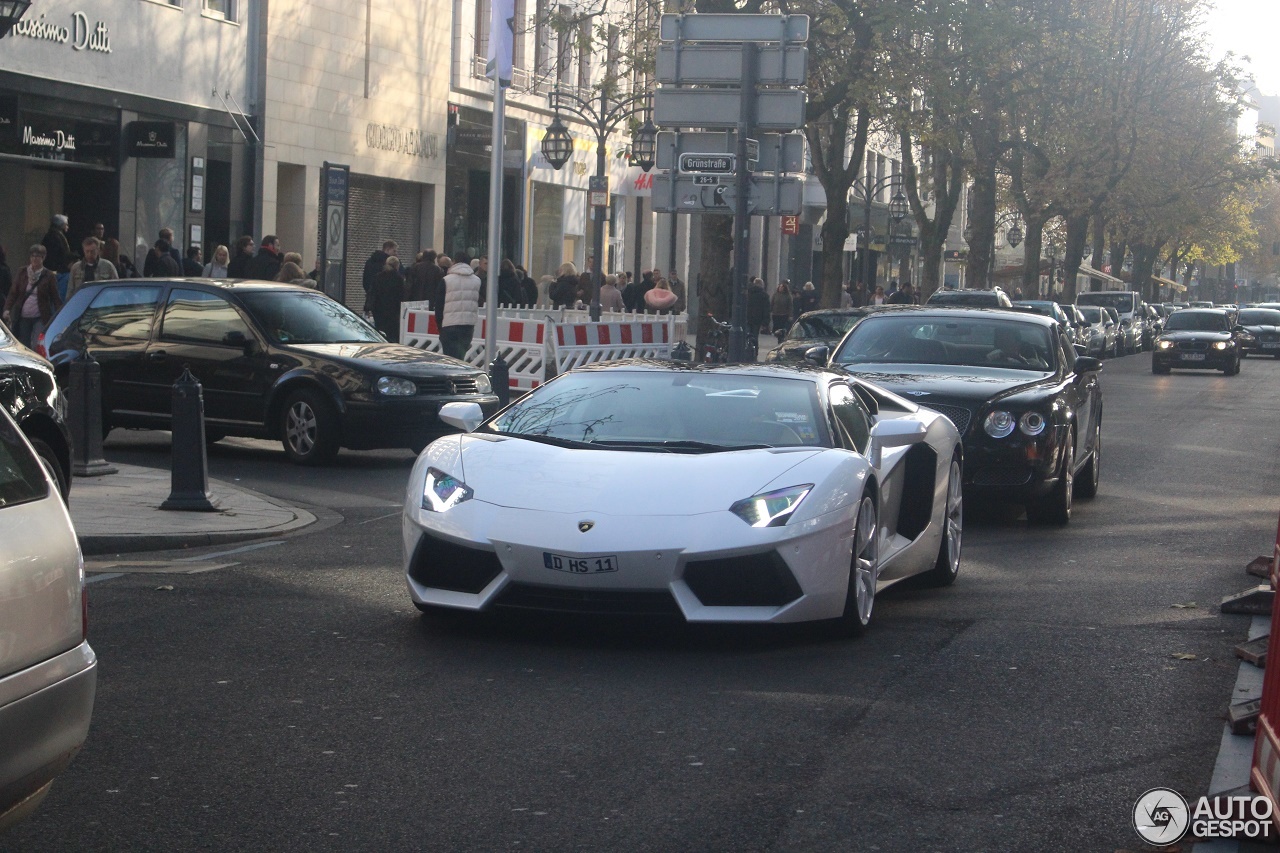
{"x":695,"y":194}
{"x":769,"y":152}
{"x":722,"y":64}
{"x":709,"y":164}
{"x":731,"y":26}
{"x":776,"y":109}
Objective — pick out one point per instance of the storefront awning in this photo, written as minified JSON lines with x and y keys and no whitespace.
{"x":1173,"y":285}
{"x":1085,"y":269}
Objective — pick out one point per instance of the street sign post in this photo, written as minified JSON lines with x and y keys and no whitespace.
{"x":767,"y":196}
{"x":708,"y":164}
{"x":734,"y":26}
{"x":775,"y":109}
{"x":766,"y":152}
{"x":791,"y":225}
{"x":719,"y":64}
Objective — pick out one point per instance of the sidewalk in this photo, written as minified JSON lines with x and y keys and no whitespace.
{"x":118,"y":513}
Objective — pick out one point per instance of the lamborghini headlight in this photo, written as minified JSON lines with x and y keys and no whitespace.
{"x":443,"y":491}
{"x":771,"y":509}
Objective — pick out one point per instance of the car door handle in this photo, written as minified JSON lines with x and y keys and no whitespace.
{"x":157,"y":355}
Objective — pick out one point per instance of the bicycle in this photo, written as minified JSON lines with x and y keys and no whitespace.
{"x":715,"y":347}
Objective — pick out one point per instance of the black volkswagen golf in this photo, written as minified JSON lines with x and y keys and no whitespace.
{"x":36,"y":403}
{"x":1027,"y":405}
{"x":276,"y":361}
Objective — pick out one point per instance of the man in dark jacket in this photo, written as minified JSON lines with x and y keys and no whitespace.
{"x":377,"y":261}
{"x":903,"y":296}
{"x":191,"y":266}
{"x":757,"y":307}
{"x":160,"y":264}
{"x":243,"y":254}
{"x":266,"y":264}
{"x":58,"y":251}
{"x":424,"y":278}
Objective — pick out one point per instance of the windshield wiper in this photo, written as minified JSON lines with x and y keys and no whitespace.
{"x":547,"y":439}
{"x":674,"y":446}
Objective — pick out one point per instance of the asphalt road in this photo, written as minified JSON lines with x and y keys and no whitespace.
{"x":297,"y":701}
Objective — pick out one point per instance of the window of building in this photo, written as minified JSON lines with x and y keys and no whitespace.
{"x":542,"y":38}
{"x":224,"y":9}
{"x":517,"y":42}
{"x":482,"y":28}
{"x":584,"y":55}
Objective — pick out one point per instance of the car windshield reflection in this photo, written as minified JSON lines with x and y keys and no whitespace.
{"x":968,"y":342}
{"x":665,"y":412}
{"x":307,"y":318}
{"x":1256,"y":317}
{"x":1196,"y":321}
{"x":824,"y":327}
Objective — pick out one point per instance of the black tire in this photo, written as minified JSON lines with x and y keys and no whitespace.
{"x":1158,"y":370}
{"x":947,"y":566}
{"x":50,"y":461}
{"x":1231,"y":369}
{"x":1055,"y":508}
{"x":864,"y":570}
{"x":309,"y":428}
{"x":1091,"y":475}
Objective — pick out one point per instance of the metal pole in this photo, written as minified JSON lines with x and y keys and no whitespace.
{"x":597,"y":239}
{"x":742,"y":206}
{"x":495,"y":222}
{"x":866,"y":235}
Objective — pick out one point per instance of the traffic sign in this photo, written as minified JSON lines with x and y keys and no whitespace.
{"x":734,"y":26}
{"x":791,"y":225}
{"x":598,"y":189}
{"x":775,"y":109}
{"x":769,"y":152}
{"x":709,"y":164}
{"x":677,"y":193}
{"x":706,"y":180}
{"x":722,"y":64}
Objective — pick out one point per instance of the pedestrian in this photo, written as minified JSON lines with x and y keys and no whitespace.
{"x":648,"y":280}
{"x":6,"y":278}
{"x":509,"y":292}
{"x":377,"y":262}
{"x":859,"y":294}
{"x":191,"y":265}
{"x":660,"y":299}
{"x":57,"y":250}
{"x":545,"y":283}
{"x":33,"y":299}
{"x":423,"y":279}
{"x":610,"y":296}
{"x":218,"y":267}
{"x":678,"y":288}
{"x":528,"y":287}
{"x":94,"y":267}
{"x":437,"y":305}
{"x":167,"y":235}
{"x":1017,"y":293}
{"x":124,"y":264}
{"x":780,"y":307}
{"x":846,"y":298}
{"x":238,"y":267}
{"x":806,"y":300}
{"x":291,"y":273}
{"x":265,"y":265}
{"x":878,"y":298}
{"x":160,"y":263}
{"x":461,"y":308}
{"x":758,"y":306}
{"x":291,"y":258}
{"x":564,"y":291}
{"x":100,"y":231}
{"x":385,"y":296}
{"x":903,"y":296}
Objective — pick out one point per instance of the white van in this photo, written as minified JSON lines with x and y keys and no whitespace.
{"x":1127,"y":304}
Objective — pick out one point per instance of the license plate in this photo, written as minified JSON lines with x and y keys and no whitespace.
{"x":1193,"y":356}
{"x":579,"y":565}
{"x":1271,"y":346}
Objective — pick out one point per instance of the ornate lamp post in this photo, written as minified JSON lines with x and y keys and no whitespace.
{"x":11,"y":11}
{"x":868,"y":194}
{"x":603,"y":118}
{"x":898,"y":208}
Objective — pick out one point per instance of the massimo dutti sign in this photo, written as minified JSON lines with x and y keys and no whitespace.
{"x":80,"y":35}
{"x":150,"y":139}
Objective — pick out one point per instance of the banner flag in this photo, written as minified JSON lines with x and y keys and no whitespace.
{"x":502,"y":31}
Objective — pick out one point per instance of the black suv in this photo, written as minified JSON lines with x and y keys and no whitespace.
{"x":276,"y":361}
{"x":30,"y":395}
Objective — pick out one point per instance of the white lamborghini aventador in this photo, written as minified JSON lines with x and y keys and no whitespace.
{"x":739,"y":493}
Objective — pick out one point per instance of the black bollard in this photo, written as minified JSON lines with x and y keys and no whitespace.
{"x":84,"y":402}
{"x":681,"y":352}
{"x":189,"y":480}
{"x":500,"y":378}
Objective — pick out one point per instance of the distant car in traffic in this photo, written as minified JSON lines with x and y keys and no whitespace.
{"x":802,"y":493}
{"x":1200,"y":303}
{"x":276,"y":361}
{"x":48,"y":671}
{"x":1049,"y":308}
{"x":1197,"y":339}
{"x":824,"y":327}
{"x":1102,"y":333}
{"x":31,"y":396}
{"x":1129,"y":318}
{"x":994,"y":298}
{"x":1263,"y":327}
{"x":1027,"y":405}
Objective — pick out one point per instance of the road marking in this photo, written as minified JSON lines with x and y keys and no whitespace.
{"x":97,"y":578}
{"x":379,"y":518}
{"x":254,"y":547}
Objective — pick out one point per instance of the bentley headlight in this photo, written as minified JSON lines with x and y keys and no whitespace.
{"x":443,"y":492}
{"x":395,"y":386}
{"x":1164,"y":344}
{"x":999,"y":424}
{"x":483,"y":385}
{"x":1032,"y":423}
{"x":1221,"y":345}
{"x":771,"y":509}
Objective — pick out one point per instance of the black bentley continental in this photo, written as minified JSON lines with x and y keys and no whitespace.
{"x":1027,"y":404}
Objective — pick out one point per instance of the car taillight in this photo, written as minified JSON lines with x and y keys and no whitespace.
{"x":40,"y":350}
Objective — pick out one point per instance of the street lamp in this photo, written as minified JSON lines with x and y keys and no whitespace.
{"x":603,"y":118}
{"x":898,"y":207}
{"x":898,"y":204}
{"x":1013,"y":235}
{"x":11,"y":11}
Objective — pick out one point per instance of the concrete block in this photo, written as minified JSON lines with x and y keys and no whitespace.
{"x":1255,"y":650}
{"x":1252,"y":602}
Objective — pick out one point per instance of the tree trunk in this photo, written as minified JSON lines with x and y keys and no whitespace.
{"x":835,"y":229}
{"x":1034,"y":237}
{"x":982,"y":220}
{"x":715,"y":291}
{"x":1099,"y":234}
{"x":1077,"y":231}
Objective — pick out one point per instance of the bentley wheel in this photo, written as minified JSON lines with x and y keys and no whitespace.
{"x":1087,"y":484}
{"x":946,"y":568}
{"x":864,"y":569}
{"x":309,"y":428}
{"x":1055,"y":507}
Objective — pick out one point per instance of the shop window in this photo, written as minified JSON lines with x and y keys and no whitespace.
{"x":224,"y":9}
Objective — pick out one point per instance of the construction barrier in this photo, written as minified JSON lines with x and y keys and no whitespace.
{"x":1264,"y":776}
{"x":539,"y":343}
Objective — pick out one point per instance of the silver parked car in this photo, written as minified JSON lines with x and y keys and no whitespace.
{"x":48,"y":672}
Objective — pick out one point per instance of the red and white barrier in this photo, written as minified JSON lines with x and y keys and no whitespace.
{"x":521,"y":343}
{"x":1265,"y":774}
{"x":577,"y":344}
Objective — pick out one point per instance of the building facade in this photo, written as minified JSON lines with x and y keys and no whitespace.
{"x":128,"y":113}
